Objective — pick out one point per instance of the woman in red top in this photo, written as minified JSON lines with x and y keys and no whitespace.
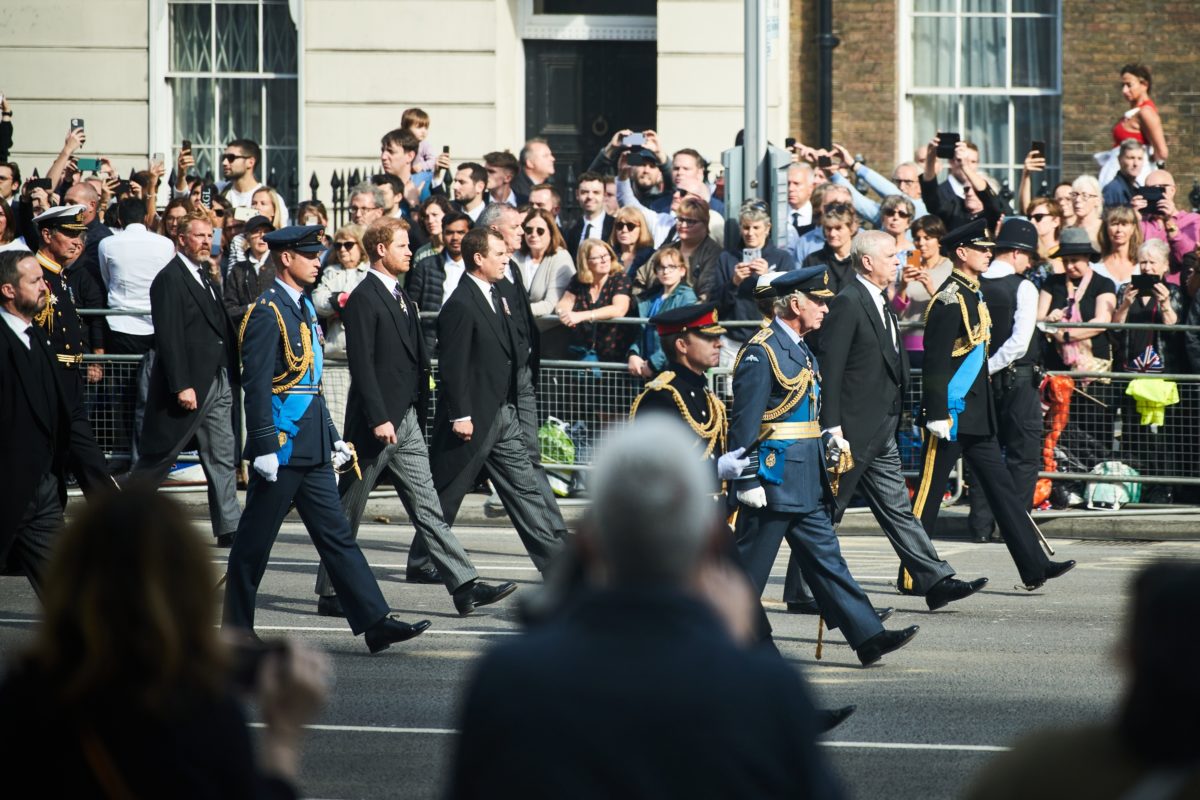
{"x":1141,"y":122}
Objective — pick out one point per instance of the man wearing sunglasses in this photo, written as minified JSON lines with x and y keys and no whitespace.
{"x":238,"y":165}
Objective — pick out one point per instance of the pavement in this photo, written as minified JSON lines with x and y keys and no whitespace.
{"x":980,"y":673}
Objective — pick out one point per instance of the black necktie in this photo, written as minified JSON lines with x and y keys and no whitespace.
{"x":30,"y":332}
{"x":587,"y":231}
{"x":796,"y":220}
{"x":498,"y":304}
{"x":205,"y":282}
{"x":889,"y":321}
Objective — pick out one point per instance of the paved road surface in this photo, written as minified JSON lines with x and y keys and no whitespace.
{"x":981,"y":671}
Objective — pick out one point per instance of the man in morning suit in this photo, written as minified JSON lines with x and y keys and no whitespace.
{"x":785,"y":492}
{"x":43,"y":426}
{"x":594,"y":222}
{"x":477,"y":427}
{"x":957,"y":409}
{"x":864,"y":374}
{"x":385,"y":417}
{"x":649,"y":662}
{"x":290,"y":438}
{"x":195,"y":363}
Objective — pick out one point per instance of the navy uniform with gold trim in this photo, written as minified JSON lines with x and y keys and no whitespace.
{"x":786,"y":493}
{"x":60,"y":320}
{"x":286,"y":415}
{"x":957,"y":409}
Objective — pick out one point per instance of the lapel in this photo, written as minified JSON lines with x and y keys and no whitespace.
{"x":885,"y":347}
{"x":485,"y":309}
{"x":399,"y":318}
{"x":24,"y":375}
{"x":204,"y":299}
{"x":786,"y":346}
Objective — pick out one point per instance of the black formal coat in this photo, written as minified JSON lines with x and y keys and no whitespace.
{"x":944,"y":330}
{"x":242,"y":287}
{"x":478,"y":363}
{"x":389,"y":368}
{"x":193,"y":340}
{"x":574,"y":233}
{"x":424,"y":286}
{"x":87,"y":290}
{"x":863,"y":378}
{"x":43,"y":427}
{"x":663,"y":690}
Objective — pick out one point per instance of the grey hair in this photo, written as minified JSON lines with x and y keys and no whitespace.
{"x":652,"y":511}
{"x":1086,"y":183}
{"x":868,"y":243}
{"x":892,"y":200}
{"x":913,"y":164}
{"x":1129,"y":145}
{"x":492,"y":214}
{"x":366,"y":188}
{"x":753,"y":211}
{"x":1156,"y":249}
{"x":783,"y":305}
{"x":801,"y":166}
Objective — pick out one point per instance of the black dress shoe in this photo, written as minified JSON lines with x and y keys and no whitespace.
{"x":424,"y":575}
{"x":885,"y":614}
{"x":225,"y":540}
{"x":947,"y":590}
{"x":883,"y":643}
{"x":804,"y":607}
{"x":389,"y":630}
{"x":830,"y":718}
{"x":480,"y":594}
{"x":330,"y":606}
{"x":1053,"y":570}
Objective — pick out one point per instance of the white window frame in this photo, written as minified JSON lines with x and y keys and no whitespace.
{"x":906,"y":91}
{"x":585,"y":27}
{"x":161,"y":98}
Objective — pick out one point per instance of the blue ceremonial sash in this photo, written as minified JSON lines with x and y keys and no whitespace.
{"x":960,"y":384}
{"x":288,"y":407}
{"x":771,"y":452}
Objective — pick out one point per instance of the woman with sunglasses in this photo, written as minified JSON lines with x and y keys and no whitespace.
{"x":337,"y":282}
{"x":1047,"y":216}
{"x":923,"y":271}
{"x":546,"y":271}
{"x":646,"y":356}
{"x":431,"y":212}
{"x":631,"y":240}
{"x":895,"y":215}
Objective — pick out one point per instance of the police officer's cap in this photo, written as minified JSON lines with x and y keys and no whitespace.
{"x":300,"y":238}
{"x":973,"y":234}
{"x":1018,"y":234}
{"x":63,"y":218}
{"x":813,"y":281}
{"x":698,"y":318}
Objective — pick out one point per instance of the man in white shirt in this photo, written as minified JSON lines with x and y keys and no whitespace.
{"x":501,"y":169}
{"x":238,"y":165}
{"x":799,"y":193}
{"x":129,"y":263}
{"x":594,"y":222}
{"x":470,"y":182}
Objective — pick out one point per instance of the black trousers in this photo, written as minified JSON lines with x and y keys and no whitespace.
{"x":1019,"y":420}
{"x":39,"y":527}
{"x":982,"y":454}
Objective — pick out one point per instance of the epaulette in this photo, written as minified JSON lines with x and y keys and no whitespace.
{"x":949,"y":294}
{"x":661,"y":380}
{"x":762,"y":336}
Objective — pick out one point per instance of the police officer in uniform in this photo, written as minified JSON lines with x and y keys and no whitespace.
{"x":1012,"y":302}
{"x":290,"y":437}
{"x":957,"y":410}
{"x":785,"y":492}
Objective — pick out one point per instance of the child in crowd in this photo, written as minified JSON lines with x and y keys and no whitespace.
{"x":416,"y":121}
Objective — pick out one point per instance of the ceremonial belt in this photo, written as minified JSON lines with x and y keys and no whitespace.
{"x":791,"y":430}
{"x":70,"y":361}
{"x":303,"y":388}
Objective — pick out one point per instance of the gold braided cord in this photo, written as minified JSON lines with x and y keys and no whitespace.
{"x":713,"y":432}
{"x":796,"y":386}
{"x":45,"y":317}
{"x":293,"y":364}
{"x":971,"y":283}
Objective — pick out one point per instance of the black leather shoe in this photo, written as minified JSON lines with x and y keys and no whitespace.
{"x":330,"y":606}
{"x":830,"y":718}
{"x":480,"y":594}
{"x":1053,"y":570}
{"x":804,"y":607}
{"x":389,"y":630}
{"x":885,"y":614}
{"x":981,"y":537}
{"x":424,"y":575}
{"x":225,"y":540}
{"x":947,"y":590}
{"x":885,"y":642}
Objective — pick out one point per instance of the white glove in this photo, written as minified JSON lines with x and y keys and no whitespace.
{"x":731,"y":464}
{"x":753,"y":498}
{"x":843,"y":445}
{"x":267,"y":466}
{"x":342,"y":455}
{"x":939,"y":428}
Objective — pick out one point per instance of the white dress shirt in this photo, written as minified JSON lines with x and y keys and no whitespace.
{"x":801,"y":215}
{"x":454,"y":272}
{"x":593,"y":228}
{"x":129,"y":262}
{"x":389,"y":282}
{"x":484,"y":287}
{"x":19,"y":327}
{"x":1024,"y":319}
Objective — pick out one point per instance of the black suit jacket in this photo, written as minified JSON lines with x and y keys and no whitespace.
{"x":478,"y":366}
{"x":424,"y":286}
{"x":43,"y":427}
{"x":863,"y":378}
{"x":389,"y":368}
{"x":193,"y":340}
{"x":575,"y":233}
{"x":656,"y":670}
{"x":943,"y":328}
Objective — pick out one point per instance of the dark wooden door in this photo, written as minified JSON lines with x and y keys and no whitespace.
{"x":577,"y":94}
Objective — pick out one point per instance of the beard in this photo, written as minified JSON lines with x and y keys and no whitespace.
{"x":29,"y":308}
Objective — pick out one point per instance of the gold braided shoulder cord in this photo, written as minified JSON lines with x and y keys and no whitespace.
{"x":293,"y":364}
{"x":973,"y":337}
{"x":713,"y":432}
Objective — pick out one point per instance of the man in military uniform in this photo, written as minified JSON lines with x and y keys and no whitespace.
{"x":62,"y":238}
{"x":957,"y":408}
{"x":290,"y":437}
{"x":1012,"y":302}
{"x":785,"y":492}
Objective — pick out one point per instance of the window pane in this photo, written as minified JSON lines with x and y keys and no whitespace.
{"x":933,"y":113}
{"x":281,"y":113}
{"x":933,"y":51}
{"x":634,"y":7}
{"x":984,"y":6}
{"x":191,"y":26}
{"x":279,"y":39}
{"x":933,"y":5}
{"x":1035,"y":52}
{"x":237,"y":38}
{"x":193,"y":111}
{"x":241,"y":109}
{"x":987,"y":127}
{"x":1035,"y":6}
{"x":984,"y":52}
{"x":1038,"y":118}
